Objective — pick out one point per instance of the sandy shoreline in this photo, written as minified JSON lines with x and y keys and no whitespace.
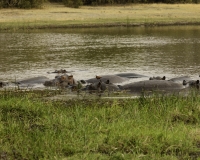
{"x":59,"y":16}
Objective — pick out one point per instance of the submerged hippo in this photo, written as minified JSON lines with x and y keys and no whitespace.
{"x":157,"y":78}
{"x":32,"y":81}
{"x":111,"y":78}
{"x":61,"y":81}
{"x":130,"y":75}
{"x":153,"y":85}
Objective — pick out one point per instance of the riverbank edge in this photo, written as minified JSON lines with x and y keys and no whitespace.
{"x":95,"y":25}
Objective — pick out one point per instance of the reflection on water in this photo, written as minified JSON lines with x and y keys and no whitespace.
{"x":168,"y":51}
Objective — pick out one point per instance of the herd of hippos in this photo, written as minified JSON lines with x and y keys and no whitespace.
{"x":111,"y":83}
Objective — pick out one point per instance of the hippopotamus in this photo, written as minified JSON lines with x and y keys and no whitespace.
{"x":157,"y":78}
{"x":61,"y":81}
{"x":30,"y":82}
{"x":191,"y":83}
{"x":153,"y":85}
{"x":111,"y":78}
{"x":130,"y":75}
{"x":102,"y":86}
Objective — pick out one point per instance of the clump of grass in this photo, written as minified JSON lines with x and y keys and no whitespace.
{"x":142,"y":128}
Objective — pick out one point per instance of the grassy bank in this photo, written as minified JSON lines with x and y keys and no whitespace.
{"x":55,"y":16}
{"x":153,"y":128}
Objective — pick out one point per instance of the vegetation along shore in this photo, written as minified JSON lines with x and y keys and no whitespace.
{"x":56,"y":15}
{"x":36,"y":126}
{"x":160,"y":128}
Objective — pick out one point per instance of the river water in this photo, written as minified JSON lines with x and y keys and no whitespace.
{"x":85,"y":53}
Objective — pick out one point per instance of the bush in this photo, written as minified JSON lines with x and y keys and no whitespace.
{"x":21,"y":3}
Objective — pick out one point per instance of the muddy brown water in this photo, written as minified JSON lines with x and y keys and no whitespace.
{"x":153,"y":51}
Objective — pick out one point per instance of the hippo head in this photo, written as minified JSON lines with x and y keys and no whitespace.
{"x":65,"y":80}
{"x":97,"y":86}
{"x":61,"y":81}
{"x":192,"y":83}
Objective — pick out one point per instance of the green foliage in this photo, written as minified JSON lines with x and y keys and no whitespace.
{"x":77,"y":3}
{"x":153,"y":128}
{"x":21,"y":3}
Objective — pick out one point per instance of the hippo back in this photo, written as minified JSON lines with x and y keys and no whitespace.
{"x":153,"y":85}
{"x":111,"y":78}
{"x":130,"y":75}
{"x":35,"y":80}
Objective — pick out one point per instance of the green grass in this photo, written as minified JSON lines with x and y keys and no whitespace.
{"x":143,"y":128}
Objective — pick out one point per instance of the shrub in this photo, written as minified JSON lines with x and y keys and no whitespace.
{"x":21,"y":3}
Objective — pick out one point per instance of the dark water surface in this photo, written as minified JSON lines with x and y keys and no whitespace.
{"x":152,"y":51}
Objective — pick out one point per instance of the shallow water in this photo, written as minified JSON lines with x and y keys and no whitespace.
{"x":85,"y":53}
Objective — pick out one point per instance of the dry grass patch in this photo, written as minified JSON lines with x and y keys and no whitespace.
{"x":59,"y":15}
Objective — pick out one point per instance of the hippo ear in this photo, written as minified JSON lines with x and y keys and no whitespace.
{"x":108,"y":81}
{"x":163,"y":78}
{"x":98,"y":77}
{"x":184,"y":82}
{"x":120,"y":86}
{"x":70,"y":77}
{"x":99,"y":84}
